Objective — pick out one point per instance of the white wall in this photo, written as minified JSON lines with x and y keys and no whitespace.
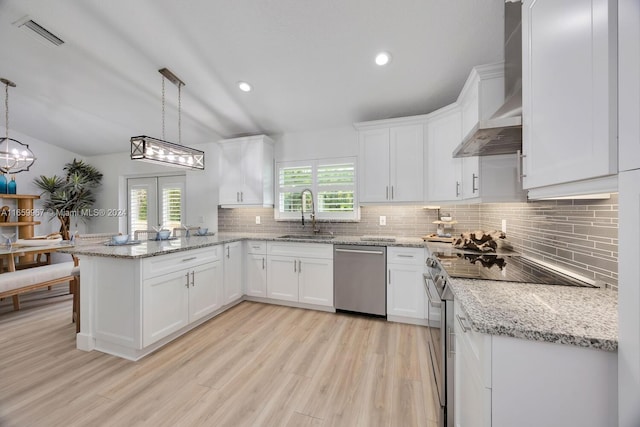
{"x":202,"y":188}
{"x":317,"y":144}
{"x":49,"y":161}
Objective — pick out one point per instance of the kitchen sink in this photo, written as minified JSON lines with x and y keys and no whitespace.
{"x":307,"y":236}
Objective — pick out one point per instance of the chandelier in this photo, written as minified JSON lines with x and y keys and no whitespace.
{"x":155,"y":150}
{"x":14,"y":155}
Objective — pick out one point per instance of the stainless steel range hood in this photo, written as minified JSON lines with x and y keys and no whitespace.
{"x":502,"y":133}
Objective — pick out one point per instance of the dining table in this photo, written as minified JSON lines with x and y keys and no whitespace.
{"x":9,"y":253}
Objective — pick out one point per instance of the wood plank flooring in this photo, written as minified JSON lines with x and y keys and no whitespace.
{"x":254,"y":365}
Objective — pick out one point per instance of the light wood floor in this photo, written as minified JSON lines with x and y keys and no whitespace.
{"x":254,"y":365}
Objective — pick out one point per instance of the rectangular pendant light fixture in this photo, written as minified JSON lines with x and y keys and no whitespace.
{"x":154,"y":150}
{"x":149,"y":149}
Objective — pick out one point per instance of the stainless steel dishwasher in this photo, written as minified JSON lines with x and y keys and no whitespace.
{"x":359,"y":279}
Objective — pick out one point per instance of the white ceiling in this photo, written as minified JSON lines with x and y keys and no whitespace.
{"x":310,"y":63}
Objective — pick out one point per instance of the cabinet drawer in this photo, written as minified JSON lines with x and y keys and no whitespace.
{"x":300,"y":250}
{"x":163,"y":264}
{"x":399,"y":255}
{"x":256,"y":247}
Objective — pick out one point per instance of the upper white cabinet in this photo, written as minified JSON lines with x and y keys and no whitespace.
{"x":477,"y":179}
{"x":629,"y":84}
{"x":391,"y":160}
{"x":569,"y":72}
{"x":246,"y":171}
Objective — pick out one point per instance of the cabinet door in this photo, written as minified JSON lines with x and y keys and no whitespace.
{"x":231,"y":173}
{"x":282,"y":278}
{"x":443,"y":172}
{"x":406,"y":163}
{"x":315,"y":278}
{"x":405,"y":291}
{"x":374,"y":165}
{"x":252,"y":167}
{"x":569,"y":93}
{"x":470,"y":177}
{"x":205,"y":293}
{"x":165,"y":305}
{"x":256,"y":281}
{"x":232,"y":272}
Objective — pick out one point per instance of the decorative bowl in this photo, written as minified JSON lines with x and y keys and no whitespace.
{"x":202,"y":231}
{"x":164,"y":234}
{"x":120,"y":239}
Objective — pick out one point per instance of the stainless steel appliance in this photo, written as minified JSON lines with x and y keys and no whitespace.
{"x":359,"y":279}
{"x":445,"y":263}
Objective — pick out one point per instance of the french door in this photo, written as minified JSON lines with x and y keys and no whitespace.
{"x":156,"y":201}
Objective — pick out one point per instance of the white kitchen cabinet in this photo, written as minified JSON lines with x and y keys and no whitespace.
{"x":629,"y":84}
{"x":232,"y":272}
{"x":477,"y":179}
{"x":246,"y":171}
{"x":178,"y":290}
{"x":300,"y":272}
{"x":502,"y":381}
{"x":406,"y":297}
{"x":391,"y":160}
{"x":569,"y":73}
{"x":256,"y":268}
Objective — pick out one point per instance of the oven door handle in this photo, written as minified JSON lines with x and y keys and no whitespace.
{"x":427,"y":288}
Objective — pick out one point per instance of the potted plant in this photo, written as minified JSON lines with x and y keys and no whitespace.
{"x":72,"y":195}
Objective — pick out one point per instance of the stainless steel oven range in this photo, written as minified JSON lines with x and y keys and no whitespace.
{"x":445,"y":263}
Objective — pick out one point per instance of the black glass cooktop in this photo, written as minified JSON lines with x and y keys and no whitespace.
{"x":510,"y":268}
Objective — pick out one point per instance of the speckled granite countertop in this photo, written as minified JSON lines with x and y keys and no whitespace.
{"x":154,"y":248}
{"x":585,"y":317}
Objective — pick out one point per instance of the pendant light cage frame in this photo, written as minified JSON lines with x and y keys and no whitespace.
{"x":15,"y":156}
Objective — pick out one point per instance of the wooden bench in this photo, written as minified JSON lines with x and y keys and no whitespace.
{"x":14,"y":283}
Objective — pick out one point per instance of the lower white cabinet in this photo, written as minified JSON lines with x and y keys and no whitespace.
{"x":405,"y":282}
{"x":256,"y":269}
{"x":173,"y":300}
{"x":503,"y":381}
{"x":232,"y":272}
{"x":300,"y":272}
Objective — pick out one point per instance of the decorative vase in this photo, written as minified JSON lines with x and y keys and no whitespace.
{"x":11,"y":186}
{"x":3,"y":184}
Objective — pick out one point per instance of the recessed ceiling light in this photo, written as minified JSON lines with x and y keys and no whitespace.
{"x":383,"y":58}
{"x":244,"y":86}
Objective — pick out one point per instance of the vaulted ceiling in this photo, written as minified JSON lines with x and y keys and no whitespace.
{"x":310,"y":63}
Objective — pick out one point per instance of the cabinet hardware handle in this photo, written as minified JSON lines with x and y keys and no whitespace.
{"x":242,"y":196}
{"x":256,"y":247}
{"x":473,"y":183}
{"x":228,"y":254}
{"x":299,"y":266}
{"x":452,"y":350}
{"x":263,"y":263}
{"x":404,"y":256}
{"x":392,"y":192}
{"x":387,"y":196}
{"x":520,"y":165}
{"x":237,"y":196}
{"x":389,"y":276}
{"x":461,"y":320}
{"x":193,"y":278}
{"x":356,"y":251}
{"x":187,"y":284}
{"x":295,"y":266}
{"x":191,"y":258}
{"x":457,"y":188}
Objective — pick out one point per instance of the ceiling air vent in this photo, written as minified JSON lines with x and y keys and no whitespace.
{"x":41,"y":33}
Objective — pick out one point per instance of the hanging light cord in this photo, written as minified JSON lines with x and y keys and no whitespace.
{"x":179,"y":114}
{"x":163,"y":108}
{"x":6,"y":110}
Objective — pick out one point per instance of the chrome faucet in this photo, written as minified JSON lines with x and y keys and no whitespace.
{"x":313,"y":209}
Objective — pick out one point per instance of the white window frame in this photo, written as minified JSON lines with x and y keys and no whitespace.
{"x":320,"y":216}
{"x":155,"y":185}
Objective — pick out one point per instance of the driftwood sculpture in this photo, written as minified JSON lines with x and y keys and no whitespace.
{"x":479,"y":240}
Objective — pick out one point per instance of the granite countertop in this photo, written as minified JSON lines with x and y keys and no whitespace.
{"x":585,"y":317}
{"x":154,"y":248}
